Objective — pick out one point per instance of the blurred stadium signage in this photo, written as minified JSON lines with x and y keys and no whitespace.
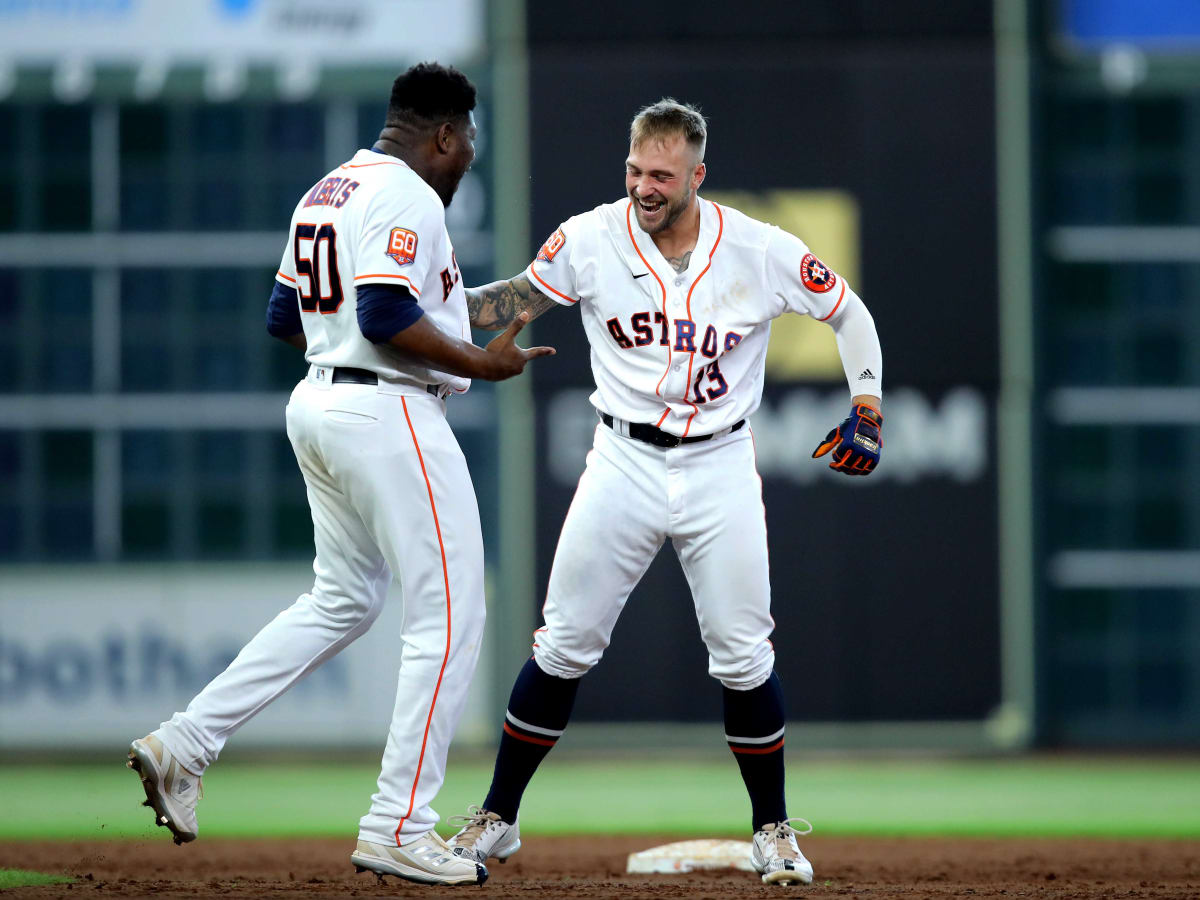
{"x":227,"y":38}
{"x":1169,"y":25}
{"x":358,"y":32}
{"x":791,"y":419}
{"x":93,"y":657}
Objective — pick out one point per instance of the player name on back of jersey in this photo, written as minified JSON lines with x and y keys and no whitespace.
{"x":332,"y":191}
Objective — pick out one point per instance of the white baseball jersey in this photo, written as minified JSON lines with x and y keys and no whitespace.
{"x":683,"y":351}
{"x":372,"y":220}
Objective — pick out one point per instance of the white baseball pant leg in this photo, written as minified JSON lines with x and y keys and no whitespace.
{"x":389,"y":491}
{"x":632,"y":496}
{"x":426,"y":518}
{"x":615,"y":526}
{"x":720,"y":535}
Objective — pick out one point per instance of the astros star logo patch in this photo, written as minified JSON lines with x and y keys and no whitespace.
{"x":817,"y":276}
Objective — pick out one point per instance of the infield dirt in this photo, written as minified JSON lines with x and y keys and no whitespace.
{"x":594,"y":867}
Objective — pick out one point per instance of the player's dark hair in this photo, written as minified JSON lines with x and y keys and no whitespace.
{"x":429,"y":94}
{"x":669,"y":118}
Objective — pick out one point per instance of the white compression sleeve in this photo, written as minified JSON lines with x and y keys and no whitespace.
{"x":858,"y":345}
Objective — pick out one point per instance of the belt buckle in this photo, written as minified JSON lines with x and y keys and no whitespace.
{"x":665,"y":440}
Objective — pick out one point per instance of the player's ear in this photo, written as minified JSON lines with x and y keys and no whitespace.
{"x":698,"y":176}
{"x":444,"y":137}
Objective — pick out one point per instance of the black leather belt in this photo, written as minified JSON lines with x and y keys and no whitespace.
{"x":354,"y":376}
{"x":347,"y":375}
{"x":650,"y":435}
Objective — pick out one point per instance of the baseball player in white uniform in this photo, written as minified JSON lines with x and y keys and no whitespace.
{"x":370,"y":289}
{"x":677,"y":295}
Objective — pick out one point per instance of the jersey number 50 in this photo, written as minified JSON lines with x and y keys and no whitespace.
{"x":318,"y":267}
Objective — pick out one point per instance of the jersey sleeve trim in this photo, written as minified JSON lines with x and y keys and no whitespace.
{"x":386,"y":162}
{"x":542,"y":282}
{"x":841,"y":297}
{"x":416,"y":292}
{"x":287,"y":278}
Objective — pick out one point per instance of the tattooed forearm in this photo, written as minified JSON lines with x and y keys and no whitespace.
{"x":680,"y":263}
{"x":493,"y":306}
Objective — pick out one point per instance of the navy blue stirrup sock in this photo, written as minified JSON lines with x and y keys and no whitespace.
{"x":754,"y":729}
{"x":538,"y":710}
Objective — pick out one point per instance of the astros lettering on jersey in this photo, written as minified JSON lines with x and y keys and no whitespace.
{"x":683,"y":351}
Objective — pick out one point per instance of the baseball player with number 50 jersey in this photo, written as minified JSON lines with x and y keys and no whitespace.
{"x":369,"y":289}
{"x":677,"y":295}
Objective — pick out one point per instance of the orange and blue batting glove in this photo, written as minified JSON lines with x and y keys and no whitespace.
{"x":856,"y":443}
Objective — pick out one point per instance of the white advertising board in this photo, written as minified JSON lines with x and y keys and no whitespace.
{"x":312,"y":32}
{"x":96,"y":656}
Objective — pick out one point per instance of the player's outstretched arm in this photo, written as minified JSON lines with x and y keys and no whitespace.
{"x":494,"y":306}
{"x":500,"y":359}
{"x":856,"y":444}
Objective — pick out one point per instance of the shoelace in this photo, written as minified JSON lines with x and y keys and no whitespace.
{"x":476,"y":822}
{"x":780,"y":833}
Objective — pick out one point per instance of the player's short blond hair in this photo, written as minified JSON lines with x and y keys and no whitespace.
{"x":669,"y":118}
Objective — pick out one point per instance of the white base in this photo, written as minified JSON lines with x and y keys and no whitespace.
{"x":691,"y":856}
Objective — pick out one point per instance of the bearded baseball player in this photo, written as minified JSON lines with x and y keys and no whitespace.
{"x":677,"y":295}
{"x":370,"y":290}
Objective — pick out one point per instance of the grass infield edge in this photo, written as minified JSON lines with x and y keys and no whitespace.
{"x":15,"y":878}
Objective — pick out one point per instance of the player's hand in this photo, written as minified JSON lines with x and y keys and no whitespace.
{"x":856,"y":443}
{"x":509,"y":359}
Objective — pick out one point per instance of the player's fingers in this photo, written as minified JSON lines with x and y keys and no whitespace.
{"x":534,"y":352}
{"x":831,"y":441}
{"x":515,"y":326}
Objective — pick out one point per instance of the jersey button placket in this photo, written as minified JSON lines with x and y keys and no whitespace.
{"x":677,"y":301}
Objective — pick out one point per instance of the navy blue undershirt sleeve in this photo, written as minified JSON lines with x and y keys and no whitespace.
{"x":283,"y":312}
{"x":385,"y":310}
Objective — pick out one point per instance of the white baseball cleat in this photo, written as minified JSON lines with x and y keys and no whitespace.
{"x":428,"y":860}
{"x":485,"y":835}
{"x":171,"y":790}
{"x":776,"y":856}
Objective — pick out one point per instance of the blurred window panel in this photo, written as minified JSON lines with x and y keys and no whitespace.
{"x":222,"y":529}
{"x":68,"y":529}
{"x":46,"y":329}
{"x":64,"y":189}
{"x":145,"y":529}
{"x":1121,"y":312}
{"x":80,"y":324}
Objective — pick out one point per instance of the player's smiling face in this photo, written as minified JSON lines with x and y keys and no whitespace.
{"x":661,"y":178}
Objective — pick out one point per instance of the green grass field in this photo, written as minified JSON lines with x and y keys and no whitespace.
{"x":1100,"y":797}
{"x":12,"y":878}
